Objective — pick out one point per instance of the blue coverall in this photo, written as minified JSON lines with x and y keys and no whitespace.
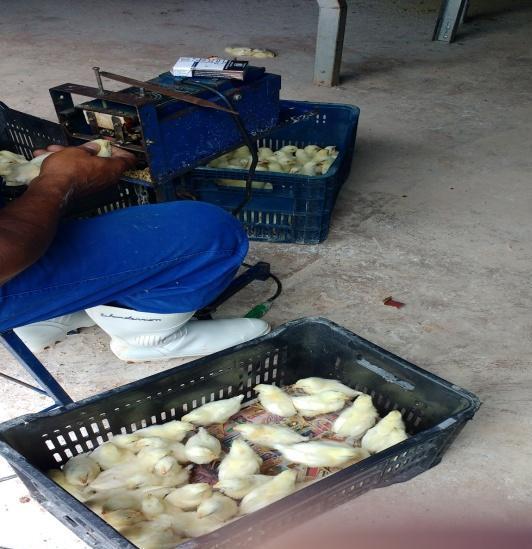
{"x":162,"y":258}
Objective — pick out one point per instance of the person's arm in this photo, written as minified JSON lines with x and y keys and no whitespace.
{"x":29,"y":223}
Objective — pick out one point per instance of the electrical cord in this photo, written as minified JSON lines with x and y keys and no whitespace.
{"x":245,"y":136}
{"x":262,"y":308}
{"x":279,"y":284}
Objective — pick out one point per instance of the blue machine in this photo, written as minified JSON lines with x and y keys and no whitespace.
{"x":168,"y":135}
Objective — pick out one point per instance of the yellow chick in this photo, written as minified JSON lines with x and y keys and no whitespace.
{"x":126,"y":440}
{"x":289,"y":149}
{"x":321,"y":453}
{"x":237,"y":488}
{"x":275,"y":400}
{"x":279,"y":487}
{"x":323,"y":154}
{"x":219,"y":507}
{"x":241,"y":152}
{"x":325,"y":165}
{"x":389,"y":431}
{"x":218,"y":411}
{"x":264,"y":153}
{"x":166,"y":465}
{"x":81,"y":470}
{"x":108,"y":455}
{"x":59,"y":478}
{"x":150,"y":535}
{"x":203,"y":447}
{"x":357,"y":419}
{"x":274,"y":167}
{"x":188,"y":497}
{"x":311,"y":150}
{"x":320,"y":403}
{"x":174,"y":430}
{"x":286,"y":164}
{"x":152,"y":506}
{"x":333,"y":151}
{"x":177,"y":449}
{"x":241,"y":461}
{"x":314,"y":385}
{"x":122,"y":518}
{"x":269,"y":435}
{"x":151,"y":442}
{"x":302,"y":157}
{"x":310,"y":168}
{"x":193,"y":526}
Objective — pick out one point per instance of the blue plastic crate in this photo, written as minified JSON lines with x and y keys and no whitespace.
{"x":297,"y":208}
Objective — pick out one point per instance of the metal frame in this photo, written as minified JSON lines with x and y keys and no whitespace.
{"x":452,"y":14}
{"x":48,"y":385}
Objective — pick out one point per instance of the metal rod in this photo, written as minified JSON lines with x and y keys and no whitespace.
{"x":166,"y":91}
{"x":98,"y":79}
{"x":23,"y":384}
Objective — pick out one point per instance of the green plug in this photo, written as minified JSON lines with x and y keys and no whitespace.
{"x":259,"y":310}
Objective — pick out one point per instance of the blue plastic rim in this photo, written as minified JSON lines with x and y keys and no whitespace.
{"x":296,"y":209}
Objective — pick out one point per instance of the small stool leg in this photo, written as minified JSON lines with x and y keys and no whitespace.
{"x":35,"y":368}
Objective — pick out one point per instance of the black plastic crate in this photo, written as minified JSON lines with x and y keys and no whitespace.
{"x":294,"y":208}
{"x":434,"y":411}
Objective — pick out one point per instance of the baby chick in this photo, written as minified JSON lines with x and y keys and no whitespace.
{"x":280,"y":486}
{"x":203,"y":447}
{"x":59,"y":478}
{"x":264,"y":153}
{"x":289,"y":149}
{"x":313,"y":385}
{"x":302,"y":157}
{"x":321,"y":453}
{"x":310,"y":168}
{"x":177,"y":449}
{"x":311,"y":150}
{"x":321,"y":155}
{"x":219,"y":507}
{"x":193,"y":526}
{"x":81,"y":470}
{"x":150,"y":535}
{"x":325,"y":165}
{"x":320,"y":403}
{"x":275,"y":400}
{"x":237,"y":488}
{"x":269,"y":435}
{"x":274,"y":166}
{"x":126,"y":440}
{"x":218,"y":411}
{"x":150,"y":442}
{"x":166,"y":465}
{"x":107,"y":455}
{"x":389,"y":431}
{"x":241,"y":461}
{"x":241,"y":152}
{"x":357,"y":419}
{"x":174,"y":430}
{"x":122,"y":518}
{"x":152,"y":506}
{"x":189,"y":496}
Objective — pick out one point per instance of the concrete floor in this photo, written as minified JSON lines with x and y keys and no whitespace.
{"x":436,"y":212}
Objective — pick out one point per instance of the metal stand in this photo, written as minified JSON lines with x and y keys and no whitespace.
{"x":330,"y":41}
{"x":452,"y":14}
{"x":48,"y":385}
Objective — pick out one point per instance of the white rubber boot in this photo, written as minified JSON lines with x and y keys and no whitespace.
{"x":39,"y":335}
{"x":139,"y":337}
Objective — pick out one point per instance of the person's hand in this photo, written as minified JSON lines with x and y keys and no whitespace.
{"x":79,"y":172}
